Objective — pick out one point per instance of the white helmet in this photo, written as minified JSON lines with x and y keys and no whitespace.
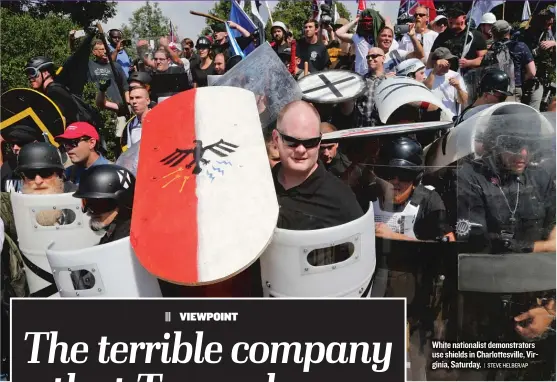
{"x":409,"y":66}
{"x":488,"y":18}
{"x":281,"y":25}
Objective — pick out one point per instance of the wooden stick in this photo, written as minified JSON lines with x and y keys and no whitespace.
{"x":207,"y":16}
{"x":306,"y":68}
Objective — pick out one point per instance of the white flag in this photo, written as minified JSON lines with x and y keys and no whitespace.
{"x":481,"y":7}
{"x":526,"y":11}
{"x":337,"y":15}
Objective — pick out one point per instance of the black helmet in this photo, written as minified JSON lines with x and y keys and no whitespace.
{"x":22,"y":134}
{"x":202,"y":42}
{"x":402,"y":153}
{"x":142,"y":77}
{"x":515,"y":123}
{"x":39,"y":63}
{"x":107,"y":181}
{"x":38,"y":156}
{"x":495,"y":80}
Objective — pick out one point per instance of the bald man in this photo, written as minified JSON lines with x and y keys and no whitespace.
{"x":309,"y":197}
{"x":335,"y":162}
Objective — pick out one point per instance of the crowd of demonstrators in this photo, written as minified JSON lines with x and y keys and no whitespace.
{"x":324,"y":184}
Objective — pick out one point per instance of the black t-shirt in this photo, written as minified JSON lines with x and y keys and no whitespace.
{"x":430,"y":223}
{"x":200,"y":75}
{"x":321,"y":201}
{"x":315,"y":55}
{"x":64,"y":100}
{"x":487,"y":199}
{"x":10,"y":181}
{"x":455,"y":43}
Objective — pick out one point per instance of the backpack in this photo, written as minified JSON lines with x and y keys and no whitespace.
{"x":86,"y":112}
{"x":499,"y":56}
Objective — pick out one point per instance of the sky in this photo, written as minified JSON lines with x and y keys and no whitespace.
{"x":179,"y":13}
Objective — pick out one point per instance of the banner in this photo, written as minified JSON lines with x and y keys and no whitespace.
{"x":260,"y":340}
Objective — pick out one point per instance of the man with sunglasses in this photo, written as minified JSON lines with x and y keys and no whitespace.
{"x":117,"y":51}
{"x":107,"y":193}
{"x":81,"y":143}
{"x":424,"y":35}
{"x":404,"y":208}
{"x":16,"y":136}
{"x":309,"y":197}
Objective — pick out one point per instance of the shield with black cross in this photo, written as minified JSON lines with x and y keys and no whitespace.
{"x":335,"y":86}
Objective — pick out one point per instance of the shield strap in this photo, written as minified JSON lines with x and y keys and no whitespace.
{"x":46,"y":291}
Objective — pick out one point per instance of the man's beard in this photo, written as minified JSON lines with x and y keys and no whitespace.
{"x":57,"y":188}
{"x":96,"y":223}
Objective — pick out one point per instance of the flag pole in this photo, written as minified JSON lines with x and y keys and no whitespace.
{"x":269,"y":11}
{"x":467,"y":31}
{"x":503,"y":17}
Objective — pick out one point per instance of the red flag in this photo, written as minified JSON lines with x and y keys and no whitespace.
{"x":361,"y":6}
{"x":315,"y":9}
{"x":430,"y":6}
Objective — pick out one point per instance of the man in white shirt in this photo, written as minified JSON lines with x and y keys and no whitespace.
{"x":394,"y":55}
{"x":446,"y":84}
{"x":425,"y":36}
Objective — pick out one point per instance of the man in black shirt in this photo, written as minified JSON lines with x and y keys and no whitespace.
{"x":311,"y":49}
{"x":504,"y":204}
{"x":309,"y":197}
{"x":454,"y":38}
{"x":335,"y":162}
{"x":221,"y":37}
{"x":40,"y":72}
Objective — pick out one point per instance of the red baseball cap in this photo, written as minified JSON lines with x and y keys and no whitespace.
{"x":78,"y":130}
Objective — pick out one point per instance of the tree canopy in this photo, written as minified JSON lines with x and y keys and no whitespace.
{"x":82,"y":13}
{"x":147,"y":21}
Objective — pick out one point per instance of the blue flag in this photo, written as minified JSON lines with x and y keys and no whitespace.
{"x":240,"y":17}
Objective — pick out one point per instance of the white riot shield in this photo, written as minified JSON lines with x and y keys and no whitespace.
{"x":395,"y":92}
{"x":263,"y":73}
{"x":331,"y":262}
{"x":212,"y":79}
{"x":34,"y":219}
{"x":108,"y":270}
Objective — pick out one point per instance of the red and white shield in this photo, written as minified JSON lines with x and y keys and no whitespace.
{"x":205,"y":207}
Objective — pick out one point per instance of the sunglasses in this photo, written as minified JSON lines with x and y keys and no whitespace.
{"x":389,"y":173}
{"x":515,"y":145}
{"x":98,"y":206}
{"x":71,"y":144}
{"x":374,"y":56}
{"x":44,"y":173}
{"x":420,"y":14}
{"x":294,"y":142}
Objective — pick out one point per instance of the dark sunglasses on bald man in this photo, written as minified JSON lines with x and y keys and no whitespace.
{"x":295,"y":142}
{"x":374,"y":56}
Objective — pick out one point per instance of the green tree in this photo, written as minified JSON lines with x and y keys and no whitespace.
{"x":147,"y":22}
{"x":48,"y":37}
{"x":83,"y":13}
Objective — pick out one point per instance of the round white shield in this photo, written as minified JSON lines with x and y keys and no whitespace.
{"x":334,"y":86}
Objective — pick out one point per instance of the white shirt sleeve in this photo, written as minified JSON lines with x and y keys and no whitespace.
{"x":462,"y":83}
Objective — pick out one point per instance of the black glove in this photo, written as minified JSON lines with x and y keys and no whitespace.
{"x":104,"y":85}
